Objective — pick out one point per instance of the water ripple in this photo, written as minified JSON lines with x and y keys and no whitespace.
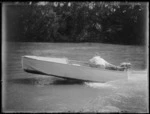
{"x":99,"y":85}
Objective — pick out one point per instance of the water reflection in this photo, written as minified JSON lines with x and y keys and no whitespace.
{"x":45,"y":81}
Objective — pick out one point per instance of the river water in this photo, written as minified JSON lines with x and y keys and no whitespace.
{"x":25,"y":92}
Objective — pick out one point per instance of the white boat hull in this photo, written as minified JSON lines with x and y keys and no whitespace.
{"x":60,"y":68}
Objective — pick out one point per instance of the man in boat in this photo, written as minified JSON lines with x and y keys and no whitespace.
{"x":99,"y":62}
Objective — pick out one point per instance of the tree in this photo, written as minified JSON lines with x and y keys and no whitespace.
{"x":109,"y":22}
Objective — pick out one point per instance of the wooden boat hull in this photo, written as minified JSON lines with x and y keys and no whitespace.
{"x":60,"y":68}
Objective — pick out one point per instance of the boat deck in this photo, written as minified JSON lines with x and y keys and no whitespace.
{"x":59,"y":60}
{"x":50,"y":59}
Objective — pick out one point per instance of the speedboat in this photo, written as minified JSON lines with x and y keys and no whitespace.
{"x":69,"y":69}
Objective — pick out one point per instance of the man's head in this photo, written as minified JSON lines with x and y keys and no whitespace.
{"x":97,"y":54}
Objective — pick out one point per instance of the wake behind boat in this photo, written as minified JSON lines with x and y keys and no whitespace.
{"x":69,"y":69}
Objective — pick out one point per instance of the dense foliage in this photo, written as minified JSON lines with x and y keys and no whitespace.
{"x":109,"y":22}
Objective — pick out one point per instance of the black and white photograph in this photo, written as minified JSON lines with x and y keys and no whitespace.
{"x":75,"y":57}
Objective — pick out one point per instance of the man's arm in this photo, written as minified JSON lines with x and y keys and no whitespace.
{"x":113,"y":67}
